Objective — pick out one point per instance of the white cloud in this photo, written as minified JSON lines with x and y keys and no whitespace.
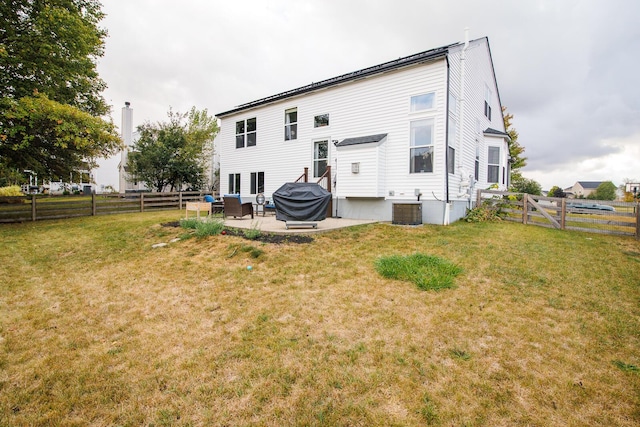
{"x":565,"y":68}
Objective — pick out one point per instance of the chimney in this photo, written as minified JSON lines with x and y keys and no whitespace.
{"x":127,"y":124}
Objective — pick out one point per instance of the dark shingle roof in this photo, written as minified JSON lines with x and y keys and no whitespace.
{"x":425,"y":56}
{"x":362,"y":140}
{"x":491,"y":131}
{"x":589,"y":184}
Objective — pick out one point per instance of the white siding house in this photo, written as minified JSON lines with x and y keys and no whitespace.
{"x":427,"y":128}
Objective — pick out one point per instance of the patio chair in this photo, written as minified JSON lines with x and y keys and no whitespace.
{"x":234,"y":207}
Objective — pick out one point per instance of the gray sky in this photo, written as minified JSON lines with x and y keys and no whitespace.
{"x":564,"y":67}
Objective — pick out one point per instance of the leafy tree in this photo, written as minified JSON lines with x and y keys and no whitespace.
{"x":50,"y":91}
{"x":11,"y":176}
{"x":629,"y":196}
{"x":556,"y":191}
{"x":515,"y":149}
{"x":605,"y":191}
{"x":175,"y":154}
{"x":51,"y":46}
{"x":52,"y":138}
{"x":520,"y":184}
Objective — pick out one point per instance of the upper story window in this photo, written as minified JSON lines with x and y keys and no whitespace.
{"x":321,"y":120}
{"x":421,"y":150}
{"x":246,"y":133}
{"x":487,"y":102}
{"x":451,"y":141}
{"x":422,"y":102}
{"x":291,"y":124}
{"x":493,"y":161}
{"x":453,"y":103}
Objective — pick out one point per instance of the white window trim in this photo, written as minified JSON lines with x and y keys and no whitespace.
{"x":321,"y":127}
{"x":313,"y":153}
{"x":433,"y":108}
{"x":499,"y":164}
{"x":297,"y":122}
{"x":432,"y":119}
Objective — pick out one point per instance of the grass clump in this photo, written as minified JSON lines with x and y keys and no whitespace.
{"x":189,"y":224}
{"x":253,"y":233}
{"x":208,"y":227}
{"x":626,"y":367}
{"x":427,"y":272}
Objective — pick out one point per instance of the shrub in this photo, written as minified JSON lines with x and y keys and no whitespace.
{"x":10,"y":194}
{"x":487,"y":212}
{"x":11,"y":191}
{"x":427,"y":272}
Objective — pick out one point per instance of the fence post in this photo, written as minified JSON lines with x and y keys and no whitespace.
{"x":180,"y":201}
{"x":479,"y":199}
{"x":93,"y":204}
{"x":141,"y":202}
{"x":33,"y":207}
{"x":525,"y":209}
{"x":637,"y":221}
{"x":563,"y":213}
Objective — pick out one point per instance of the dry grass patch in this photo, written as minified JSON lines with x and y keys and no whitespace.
{"x":96,"y":327}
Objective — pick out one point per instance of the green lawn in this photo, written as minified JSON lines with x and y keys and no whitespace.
{"x":540,"y":328}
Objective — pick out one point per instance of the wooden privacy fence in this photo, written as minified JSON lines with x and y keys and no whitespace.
{"x":38,"y":207}
{"x":565,"y":214}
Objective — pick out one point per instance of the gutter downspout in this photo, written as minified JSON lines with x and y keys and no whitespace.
{"x":461,"y":118}
{"x":445,"y":220}
{"x":463,"y":72}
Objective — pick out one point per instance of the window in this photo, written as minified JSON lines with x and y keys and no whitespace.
{"x":422,"y":102}
{"x":477,"y":168}
{"x":246,"y":134}
{"x":421,"y":151}
{"x":257,"y":182}
{"x":451,"y":155}
{"x":240,"y":134}
{"x":451,"y":160}
{"x":291,"y":124}
{"x":487,"y":102}
{"x":234,"y":183}
{"x":320,"y":157}
{"x":251,"y":132}
{"x":493,"y":171}
{"x":321,"y":121}
{"x":453,"y":103}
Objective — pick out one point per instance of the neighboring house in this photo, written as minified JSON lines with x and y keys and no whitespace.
{"x":582,"y":188}
{"x":129,"y":137}
{"x":127,"y":182}
{"x":426,"y":129}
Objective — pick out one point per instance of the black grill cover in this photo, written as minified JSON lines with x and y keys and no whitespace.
{"x":301,"y":201}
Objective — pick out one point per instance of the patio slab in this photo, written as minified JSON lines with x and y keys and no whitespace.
{"x":269,"y":224}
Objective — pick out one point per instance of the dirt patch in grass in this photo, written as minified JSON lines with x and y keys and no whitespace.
{"x":262,"y":237}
